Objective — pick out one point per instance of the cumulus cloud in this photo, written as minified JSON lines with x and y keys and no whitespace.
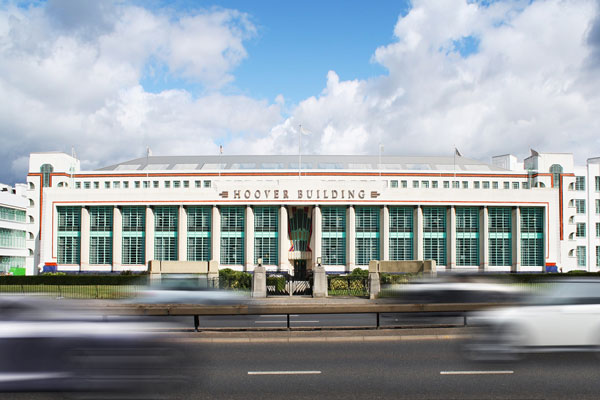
{"x":525,"y":84}
{"x":70,"y":75}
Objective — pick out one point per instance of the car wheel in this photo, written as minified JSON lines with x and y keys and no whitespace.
{"x":511,"y":340}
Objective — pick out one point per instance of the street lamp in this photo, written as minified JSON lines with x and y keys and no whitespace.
{"x":260,"y":261}
{"x":318,"y":261}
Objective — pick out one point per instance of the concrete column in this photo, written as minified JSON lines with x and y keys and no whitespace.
{"x":484,"y":239}
{"x":215,"y":235}
{"x":516,"y":239}
{"x":249,"y":239}
{"x":182,"y":234}
{"x":384,"y":233}
{"x":319,"y":281}
{"x":149,"y":234}
{"x":317,"y":233}
{"x":284,"y":241}
{"x":418,"y":234}
{"x":259,"y":282}
{"x":84,"y":255}
{"x":451,"y":237}
{"x":350,"y":238}
{"x":117,"y":238}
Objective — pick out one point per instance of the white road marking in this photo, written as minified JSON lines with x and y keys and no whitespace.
{"x":281,"y":322}
{"x":476,"y":372}
{"x":297,"y":322}
{"x":283,"y":372}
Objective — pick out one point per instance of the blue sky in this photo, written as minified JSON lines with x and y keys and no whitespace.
{"x":297,"y":43}
{"x":113,"y":77}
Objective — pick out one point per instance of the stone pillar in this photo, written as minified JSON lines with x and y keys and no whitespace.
{"x":484,"y":239}
{"x":117,"y":238}
{"x":249,"y":239}
{"x":317,"y":233}
{"x":384,"y":233}
{"x":418,"y":234}
{"x":182,"y":234}
{"x":215,"y":235}
{"x":149,"y":234}
{"x":350,"y":238}
{"x":516,"y":239}
{"x":284,"y":242}
{"x":451,"y":237}
{"x":84,"y":255}
{"x":259,"y":282}
{"x":319,"y":281}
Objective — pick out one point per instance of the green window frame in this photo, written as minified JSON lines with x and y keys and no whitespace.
{"x":12,"y":238}
{"x":46,"y":170}
{"x":69,"y":235}
{"x":581,"y":256}
{"x":199,"y":222}
{"x":233,"y":222}
{"x":367,"y":234}
{"x":12,"y":214}
{"x":597,"y":256}
{"x":266,"y":237}
{"x":401,"y":233}
{"x":580,"y":230}
{"x":500,"y":236}
{"x":434,"y":234}
{"x":532,"y":236}
{"x":134,"y":232}
{"x":333,"y":235}
{"x":165,"y":233}
{"x":101,"y":226}
{"x":580,"y":183}
{"x":580,"y":206}
{"x":467,"y":236}
{"x":556,"y":170}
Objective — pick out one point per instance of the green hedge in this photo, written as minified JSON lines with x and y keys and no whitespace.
{"x":230,"y":279}
{"x":58,"y":279}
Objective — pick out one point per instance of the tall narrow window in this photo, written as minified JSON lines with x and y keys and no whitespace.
{"x":232,"y":235}
{"x":580,"y":183}
{"x":266,"y":227}
{"x":434,"y":234}
{"x":198,"y":239}
{"x":580,"y":232}
{"x":367,"y":235}
{"x":101,"y":223}
{"x":165,"y":233}
{"x":333,"y":235}
{"x":134,"y":232}
{"x":69,"y":233}
{"x":581,"y":256}
{"x":532,"y":236}
{"x":46,"y":170}
{"x":401,"y":233}
{"x":500,"y":236}
{"x":467,"y":236}
{"x":580,"y":206}
{"x":556,"y":170}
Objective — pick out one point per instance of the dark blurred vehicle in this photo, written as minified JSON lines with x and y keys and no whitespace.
{"x":456,"y":288}
{"x":565,"y":317}
{"x":187,"y":291}
{"x":46,"y":346}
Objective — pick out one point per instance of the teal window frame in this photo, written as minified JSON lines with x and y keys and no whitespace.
{"x":434,"y":234}
{"x":580,"y":230}
{"x":165,"y":233}
{"x":333,"y":235}
{"x":467,"y":236}
{"x":500,"y":236}
{"x":134,"y":235}
{"x":581,"y":256}
{"x":199,"y":224}
{"x":233,"y":222}
{"x":12,"y":214}
{"x":367,"y":240}
{"x":580,"y":183}
{"x":101,"y":229}
{"x":532,"y":236}
{"x":266,"y":235}
{"x":401,"y":233}
{"x":68,"y":235}
{"x":580,"y":206}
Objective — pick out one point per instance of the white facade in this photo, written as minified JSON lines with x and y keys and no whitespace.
{"x":504,"y":216}
{"x":16,"y":244}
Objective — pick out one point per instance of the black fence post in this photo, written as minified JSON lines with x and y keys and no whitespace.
{"x":196,"y":322}
{"x":378,"y":323}
{"x":288,"y":322}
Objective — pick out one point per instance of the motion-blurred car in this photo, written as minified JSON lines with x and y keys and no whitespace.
{"x":187,"y":291}
{"x":564,"y":317}
{"x":454,"y":289}
{"x":46,"y":346}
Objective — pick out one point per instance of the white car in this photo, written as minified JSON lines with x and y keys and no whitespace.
{"x":564,"y":317}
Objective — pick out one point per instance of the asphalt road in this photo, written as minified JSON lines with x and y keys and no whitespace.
{"x":415,"y":369}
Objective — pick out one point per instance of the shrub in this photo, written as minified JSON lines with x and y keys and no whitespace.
{"x":230,"y":279}
{"x":360,"y":272}
{"x":338,"y":284}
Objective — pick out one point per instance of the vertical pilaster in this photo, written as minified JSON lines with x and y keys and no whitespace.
{"x":215,"y":235}
{"x":484,"y":239}
{"x":117,"y":243}
{"x":284,"y":242}
{"x":419,"y":254}
{"x":182,"y":234}
{"x":451,"y":237}
{"x":384,"y":233}
{"x":516,"y":239}
{"x":249,"y":238}
{"x":84,"y":255}
{"x":317,"y":233}
{"x":350,"y":238}
{"x":149,"y":235}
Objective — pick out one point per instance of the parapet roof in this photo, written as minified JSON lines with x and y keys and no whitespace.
{"x":310,"y":162}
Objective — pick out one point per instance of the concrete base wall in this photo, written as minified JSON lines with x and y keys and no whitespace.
{"x":412,"y":266}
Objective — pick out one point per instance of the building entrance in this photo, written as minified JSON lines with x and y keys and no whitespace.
{"x":300,"y":272}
